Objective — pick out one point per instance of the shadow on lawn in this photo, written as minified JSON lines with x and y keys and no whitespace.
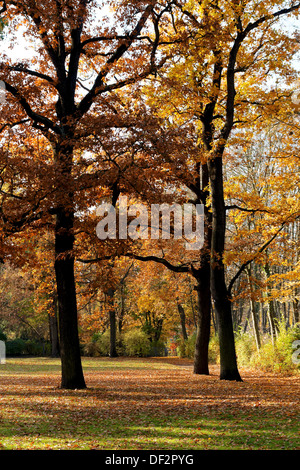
{"x":149,"y":409}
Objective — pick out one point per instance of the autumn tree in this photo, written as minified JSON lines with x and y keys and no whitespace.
{"x":221,"y":81}
{"x":51,"y":97}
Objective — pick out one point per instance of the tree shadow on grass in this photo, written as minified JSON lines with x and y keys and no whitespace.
{"x":150,"y":409}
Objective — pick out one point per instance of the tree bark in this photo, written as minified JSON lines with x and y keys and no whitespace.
{"x":253,"y":313}
{"x":201,"y":365}
{"x":112,"y":324}
{"x":53,"y":330}
{"x":220,"y":294}
{"x":202,"y":275}
{"x":182,"y":321}
{"x":72,"y":374}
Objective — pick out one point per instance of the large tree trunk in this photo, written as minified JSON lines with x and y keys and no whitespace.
{"x":202,"y":275}
{"x":203,"y":323}
{"x":72,"y":374}
{"x":221,"y":298}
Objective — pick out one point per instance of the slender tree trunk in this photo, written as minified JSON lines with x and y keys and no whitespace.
{"x":296,"y":316}
{"x":121,"y":314}
{"x":112,"y":324}
{"x":182,"y":321}
{"x":53,"y":330}
{"x":270,"y":307}
{"x":220,"y":294}
{"x":122,"y":310}
{"x":253,"y":313}
{"x":192,"y":302}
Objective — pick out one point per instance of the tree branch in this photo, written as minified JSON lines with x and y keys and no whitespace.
{"x":245,"y":209}
{"x":4,"y":8}
{"x":98,"y":86}
{"x":178,"y":269}
{"x":37,"y":118}
{"x":261,"y":250}
{"x":20,"y":68}
{"x":277,"y":14}
{"x":13,"y":124}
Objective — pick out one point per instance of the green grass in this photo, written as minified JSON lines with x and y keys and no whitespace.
{"x":144,"y":404}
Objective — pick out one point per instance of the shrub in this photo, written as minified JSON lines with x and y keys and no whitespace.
{"x":29,"y":347}
{"x":181,"y":348}
{"x":214,"y":350}
{"x":91,"y":349}
{"x":186,"y":348}
{"x":136,"y":343}
{"x":100,"y":344}
{"x":34,"y":348}
{"x":157,"y":349}
{"x":2,"y":336}
{"x":245,"y":348}
{"x":15,"y":347}
{"x":277,"y":357}
{"x":103,"y":343}
{"x":190,"y":346}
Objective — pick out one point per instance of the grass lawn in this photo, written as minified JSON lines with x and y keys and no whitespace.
{"x":139,"y":404}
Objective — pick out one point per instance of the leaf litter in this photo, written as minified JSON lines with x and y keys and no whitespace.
{"x":149,"y":408}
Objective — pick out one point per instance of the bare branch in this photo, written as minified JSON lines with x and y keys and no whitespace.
{"x":37,"y":118}
{"x":245,"y":209}
{"x":176,"y":268}
{"x":98,"y":86}
{"x":261,"y":250}
{"x":4,"y":7}
{"x":21,"y":68}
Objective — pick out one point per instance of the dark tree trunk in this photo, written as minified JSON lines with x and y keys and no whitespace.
{"x":72,"y":374}
{"x":203,"y":324}
{"x":220,"y":294}
{"x":202,"y":275}
{"x":112,"y":324}
{"x":122,"y":311}
{"x":53,"y":330}
{"x":182,"y":321}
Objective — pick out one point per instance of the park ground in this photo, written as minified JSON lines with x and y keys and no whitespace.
{"x":139,"y":404}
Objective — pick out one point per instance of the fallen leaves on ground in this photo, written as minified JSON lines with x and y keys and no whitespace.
{"x":148,"y":404}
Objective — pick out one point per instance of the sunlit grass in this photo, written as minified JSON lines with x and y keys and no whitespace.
{"x":143,"y":404}
{"x":42,"y":365}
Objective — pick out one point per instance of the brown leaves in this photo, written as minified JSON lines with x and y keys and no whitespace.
{"x":152,"y":404}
